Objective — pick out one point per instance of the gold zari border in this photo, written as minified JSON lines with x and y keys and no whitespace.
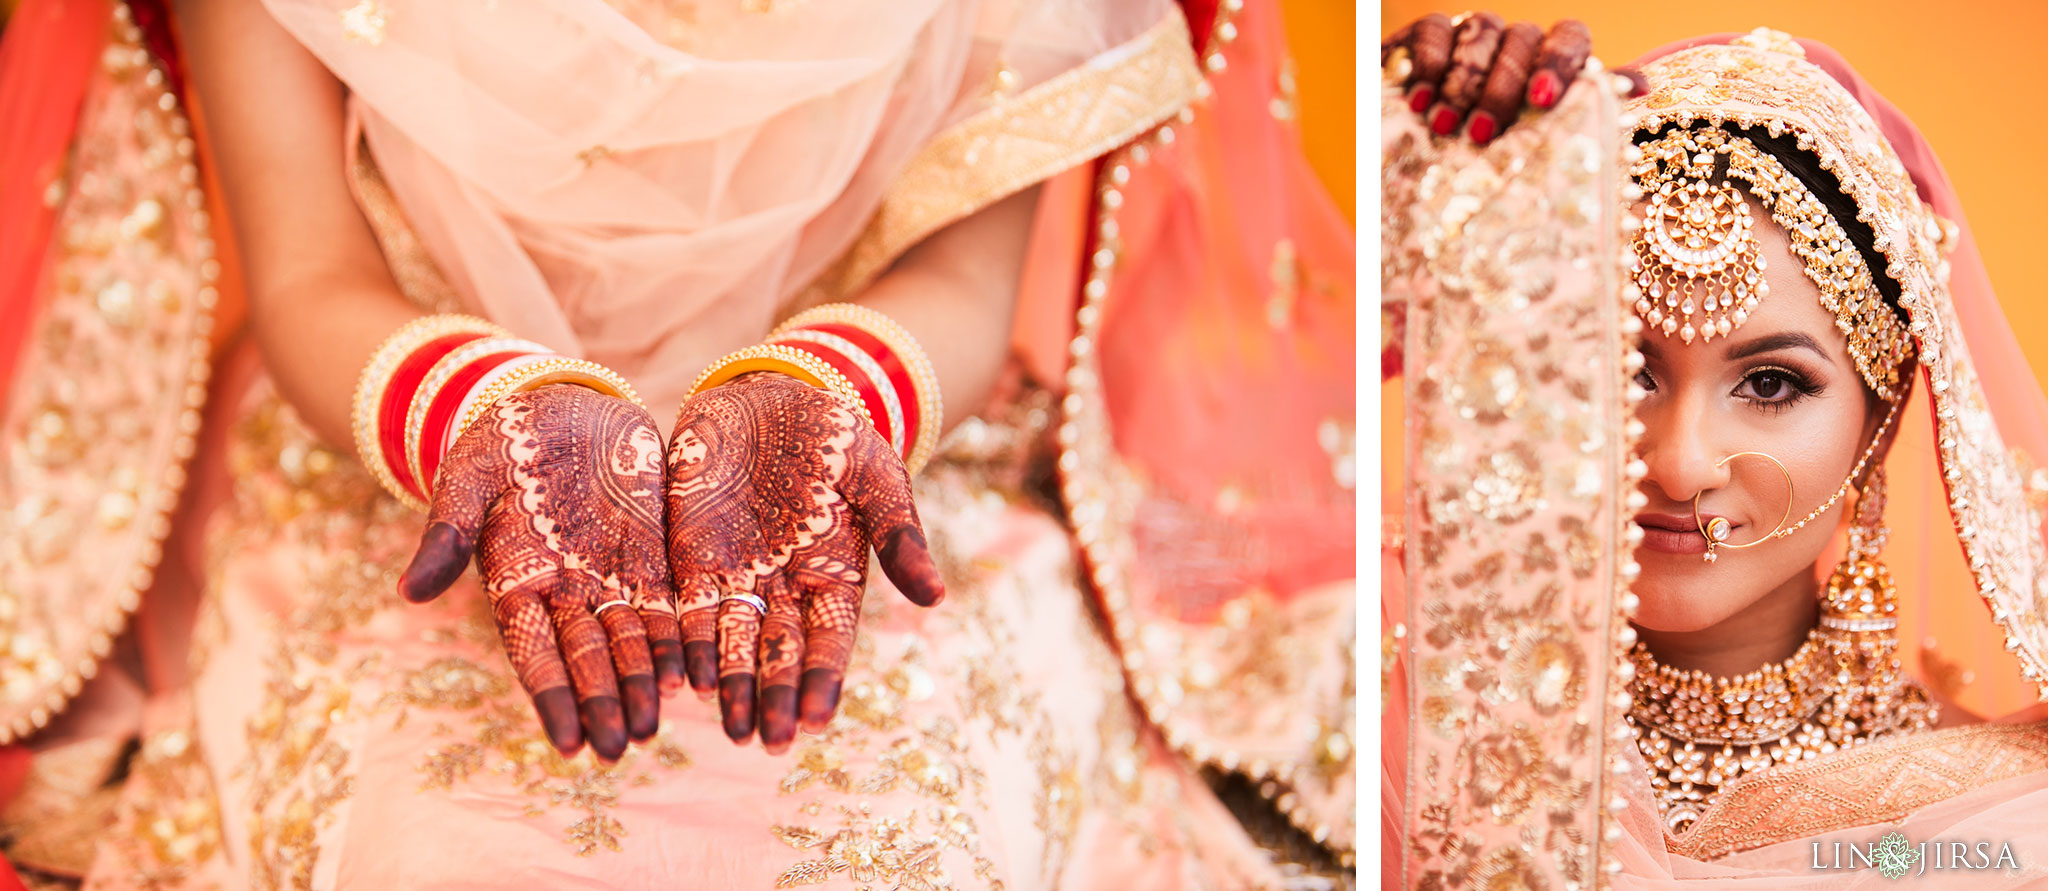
{"x":1868,"y":785}
{"x":1019,"y":141}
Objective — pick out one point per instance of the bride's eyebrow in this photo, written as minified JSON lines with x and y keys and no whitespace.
{"x":1783,"y":340}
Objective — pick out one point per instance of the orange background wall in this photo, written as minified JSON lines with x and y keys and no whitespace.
{"x":1322,"y":37}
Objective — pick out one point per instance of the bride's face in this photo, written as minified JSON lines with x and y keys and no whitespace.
{"x":1784,"y":384}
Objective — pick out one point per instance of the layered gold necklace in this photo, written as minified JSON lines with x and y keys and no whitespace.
{"x":1842,"y":688}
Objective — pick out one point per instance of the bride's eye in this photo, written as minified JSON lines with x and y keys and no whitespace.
{"x":1775,"y":388}
{"x":1644,"y":380}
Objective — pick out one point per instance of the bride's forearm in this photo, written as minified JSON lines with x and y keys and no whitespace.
{"x":320,"y":295}
{"x":957,"y":293}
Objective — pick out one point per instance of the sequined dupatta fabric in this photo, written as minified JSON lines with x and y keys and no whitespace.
{"x":655,"y":184}
{"x":1514,"y":565}
{"x":1207,"y":449}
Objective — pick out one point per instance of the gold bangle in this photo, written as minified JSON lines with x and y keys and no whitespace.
{"x":375,"y":378}
{"x":784,"y":360}
{"x":552,"y":370}
{"x":931,"y":406}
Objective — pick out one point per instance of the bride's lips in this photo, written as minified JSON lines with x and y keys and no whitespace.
{"x":1673,"y":533}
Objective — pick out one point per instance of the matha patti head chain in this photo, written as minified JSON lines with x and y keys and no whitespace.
{"x":1697,"y":270}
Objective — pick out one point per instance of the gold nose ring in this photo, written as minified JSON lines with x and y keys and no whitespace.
{"x":1716,"y":532}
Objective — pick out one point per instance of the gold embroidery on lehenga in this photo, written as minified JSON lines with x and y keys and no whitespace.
{"x":170,"y":821}
{"x":895,"y":850}
{"x":105,"y":403}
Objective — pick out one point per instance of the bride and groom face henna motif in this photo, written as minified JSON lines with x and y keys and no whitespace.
{"x":776,"y":491}
{"x":557,"y":494}
{"x":773,"y":490}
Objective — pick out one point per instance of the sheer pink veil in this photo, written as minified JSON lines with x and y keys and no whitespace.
{"x":1950,"y":636}
{"x":653,"y":186}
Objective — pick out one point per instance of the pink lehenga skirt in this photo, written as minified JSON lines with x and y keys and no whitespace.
{"x":333,"y":736}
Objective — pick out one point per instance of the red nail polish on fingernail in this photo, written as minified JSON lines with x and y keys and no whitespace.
{"x":1543,"y":89}
{"x":1419,"y":98}
{"x":1481,"y":129}
{"x":1444,"y":121}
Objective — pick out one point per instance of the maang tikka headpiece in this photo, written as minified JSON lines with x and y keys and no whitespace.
{"x":1696,"y":265}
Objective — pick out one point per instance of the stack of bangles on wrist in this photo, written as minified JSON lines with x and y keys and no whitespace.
{"x":437,"y":375}
{"x":858,"y":352}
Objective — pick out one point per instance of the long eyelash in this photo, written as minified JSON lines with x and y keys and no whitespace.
{"x":1802,"y":387}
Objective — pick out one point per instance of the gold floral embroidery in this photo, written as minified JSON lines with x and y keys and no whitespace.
{"x":100,"y":417}
{"x":1517,"y":567}
{"x":893,"y":850}
{"x":364,"y":23}
{"x":170,"y":821}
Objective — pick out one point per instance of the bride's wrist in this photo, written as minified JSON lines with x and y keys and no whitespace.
{"x":435,"y":377}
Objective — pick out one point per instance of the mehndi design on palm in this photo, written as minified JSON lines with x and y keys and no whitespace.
{"x":776,"y":491}
{"x":558,"y":493}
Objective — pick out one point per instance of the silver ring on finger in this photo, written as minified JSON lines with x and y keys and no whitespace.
{"x":753,"y":600}
{"x":609,"y":604}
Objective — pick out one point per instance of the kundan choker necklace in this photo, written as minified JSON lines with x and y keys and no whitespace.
{"x":1701,"y":733}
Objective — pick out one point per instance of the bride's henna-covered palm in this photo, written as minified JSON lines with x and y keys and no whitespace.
{"x":557,"y":492}
{"x":778,"y":489}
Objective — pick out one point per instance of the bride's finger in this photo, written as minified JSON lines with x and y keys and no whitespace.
{"x":634,"y":666}
{"x":1429,"y":47}
{"x":739,"y":640}
{"x":1472,"y":50}
{"x":780,"y":663}
{"x":530,"y":645}
{"x":657,"y":606}
{"x":878,"y":490}
{"x":1501,"y":99}
{"x":1559,"y":59}
{"x":475,"y":471}
{"x":832,"y":588}
{"x":588,"y":655}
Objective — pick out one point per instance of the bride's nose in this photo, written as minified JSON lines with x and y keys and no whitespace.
{"x":1677,"y":449}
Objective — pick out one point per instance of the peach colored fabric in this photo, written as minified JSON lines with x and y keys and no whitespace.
{"x":345,"y":737}
{"x":650,"y":190}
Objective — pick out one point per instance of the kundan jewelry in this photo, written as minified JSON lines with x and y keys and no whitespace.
{"x":1695,"y":262}
{"x":1716,"y":530}
{"x":1845,"y":686}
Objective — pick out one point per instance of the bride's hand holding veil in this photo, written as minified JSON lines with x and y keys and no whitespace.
{"x":776,"y":492}
{"x":1480,"y":74}
{"x":557,"y":494}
